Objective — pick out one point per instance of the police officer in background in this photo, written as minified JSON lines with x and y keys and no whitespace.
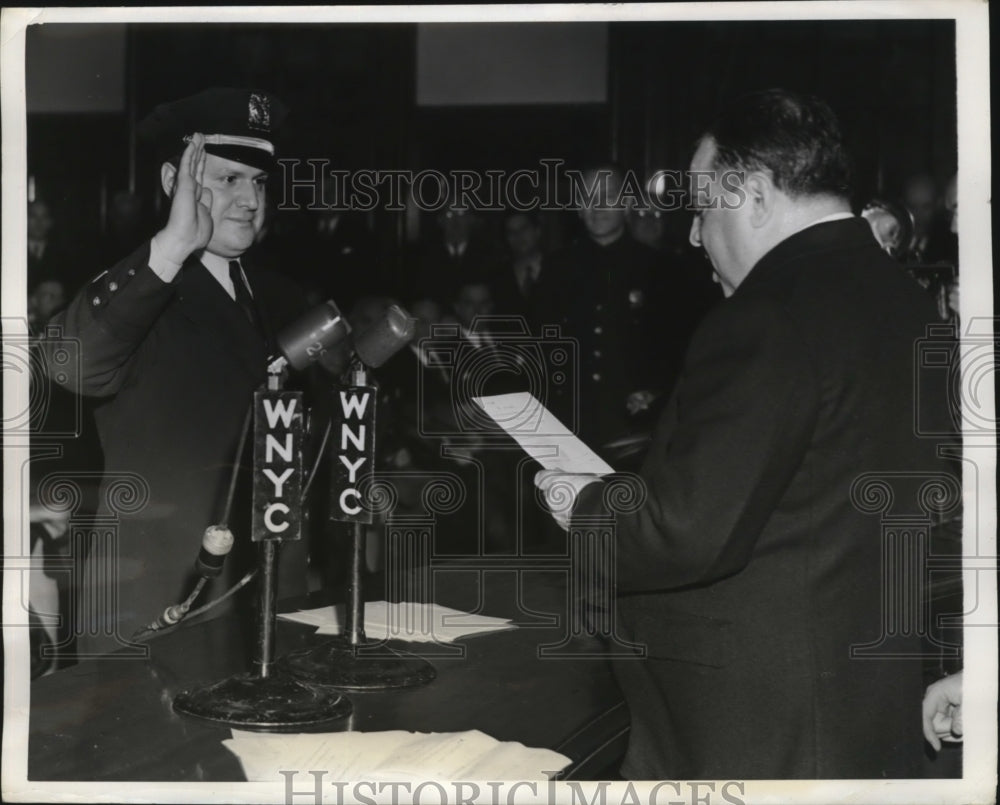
{"x":174,"y":339}
{"x":600,"y":292}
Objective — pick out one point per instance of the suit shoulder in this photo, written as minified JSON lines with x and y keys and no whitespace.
{"x":749,"y":321}
{"x":855,"y":282}
{"x":127,"y":266}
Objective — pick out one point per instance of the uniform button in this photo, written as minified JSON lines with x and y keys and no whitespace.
{"x":597,"y":353}
{"x":131,"y":272}
{"x":600,"y":307}
{"x":596,"y":375}
{"x":97,"y":301}
{"x":598,"y":330}
{"x":112,"y":286}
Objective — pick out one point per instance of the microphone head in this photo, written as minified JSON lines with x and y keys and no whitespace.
{"x":216,"y":543}
{"x":377,"y":343}
{"x":312,"y":335}
{"x":217,"y":540}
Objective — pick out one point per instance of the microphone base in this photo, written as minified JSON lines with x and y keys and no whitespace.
{"x":275,"y":703}
{"x":366,"y":666}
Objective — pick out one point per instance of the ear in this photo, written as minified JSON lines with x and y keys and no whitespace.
{"x":168,"y":178}
{"x":761,"y":195}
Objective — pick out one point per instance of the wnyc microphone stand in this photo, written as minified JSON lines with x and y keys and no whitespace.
{"x":352,"y":661}
{"x":269,"y":698}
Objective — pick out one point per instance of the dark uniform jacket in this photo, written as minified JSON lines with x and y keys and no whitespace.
{"x":750,"y":571}
{"x":175,"y":365}
{"x":601,"y":297}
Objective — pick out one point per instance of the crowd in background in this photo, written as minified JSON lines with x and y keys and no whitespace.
{"x":591,"y":312}
{"x":335,"y":254}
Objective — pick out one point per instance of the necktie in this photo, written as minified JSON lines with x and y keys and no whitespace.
{"x":243,"y":298}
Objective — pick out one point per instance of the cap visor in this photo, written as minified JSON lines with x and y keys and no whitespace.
{"x":254,"y":157}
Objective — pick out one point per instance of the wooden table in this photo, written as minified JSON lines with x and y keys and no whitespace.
{"x":112,"y":719}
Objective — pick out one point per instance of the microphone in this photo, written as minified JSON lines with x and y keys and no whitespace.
{"x":170,"y":616}
{"x":392,"y":331}
{"x":310,"y":337}
{"x":216,"y":544}
{"x":315,"y":334}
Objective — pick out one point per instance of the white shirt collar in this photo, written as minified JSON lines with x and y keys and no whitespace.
{"x":834,"y":216}
{"x":218,"y":267}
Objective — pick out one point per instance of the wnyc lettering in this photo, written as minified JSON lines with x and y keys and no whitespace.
{"x":277,"y":482}
{"x":355,"y":453}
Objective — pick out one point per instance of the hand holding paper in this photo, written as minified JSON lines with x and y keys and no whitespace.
{"x":542,"y":435}
{"x":569,"y":463}
{"x":561,"y":490}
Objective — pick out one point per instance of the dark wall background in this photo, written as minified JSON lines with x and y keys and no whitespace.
{"x":891,"y":83}
{"x":352,"y":91}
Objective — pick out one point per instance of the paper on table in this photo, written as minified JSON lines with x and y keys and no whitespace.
{"x":541,"y":434}
{"x":421,"y":623}
{"x":396,"y":755}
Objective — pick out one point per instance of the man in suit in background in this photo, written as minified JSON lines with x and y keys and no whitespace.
{"x":451,"y":257}
{"x":513,"y":283}
{"x":174,"y":340}
{"x":747,"y":572}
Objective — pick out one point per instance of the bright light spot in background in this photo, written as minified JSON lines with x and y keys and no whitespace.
{"x":657,"y":185}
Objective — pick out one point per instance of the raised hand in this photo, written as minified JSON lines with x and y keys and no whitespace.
{"x":189,"y":226}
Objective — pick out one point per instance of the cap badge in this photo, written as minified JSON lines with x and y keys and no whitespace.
{"x":259,"y":112}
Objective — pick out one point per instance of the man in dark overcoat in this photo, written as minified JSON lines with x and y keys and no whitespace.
{"x":754,"y":571}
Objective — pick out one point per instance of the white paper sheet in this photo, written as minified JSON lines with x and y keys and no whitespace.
{"x":395,"y":755}
{"x":419,"y":623}
{"x":541,"y":434}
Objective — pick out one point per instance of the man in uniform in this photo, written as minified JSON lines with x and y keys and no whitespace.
{"x":603,"y":293}
{"x":749,"y":572}
{"x":174,"y":340}
{"x":598,"y":291}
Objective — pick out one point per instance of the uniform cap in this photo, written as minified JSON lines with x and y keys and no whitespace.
{"x":238,"y":124}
